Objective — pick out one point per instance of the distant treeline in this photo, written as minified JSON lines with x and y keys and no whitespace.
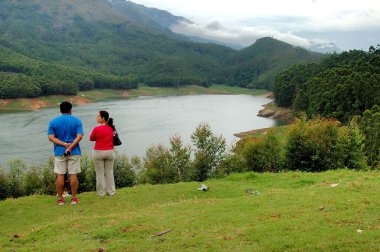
{"x":24,"y":77}
{"x":198,"y":64}
{"x":341,"y":86}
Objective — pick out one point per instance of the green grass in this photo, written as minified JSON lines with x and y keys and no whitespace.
{"x":294,"y":212}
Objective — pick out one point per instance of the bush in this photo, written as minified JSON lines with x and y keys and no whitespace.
{"x":232,"y":163}
{"x":15,"y":178}
{"x":352,"y":141}
{"x":158,"y":165}
{"x":324,"y":144}
{"x":87,"y":176}
{"x":263,"y":154}
{"x":124,"y":174}
{"x":370,"y":126}
{"x":138,"y":168}
{"x":48,"y":178}
{"x":209,"y":152}
{"x":180,"y":159}
{"x":4,"y":190}
{"x":33,"y":183}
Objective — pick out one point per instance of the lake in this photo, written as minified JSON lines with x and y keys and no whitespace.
{"x":141,"y":122}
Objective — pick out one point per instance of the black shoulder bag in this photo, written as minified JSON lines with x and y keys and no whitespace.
{"x":116,"y":139}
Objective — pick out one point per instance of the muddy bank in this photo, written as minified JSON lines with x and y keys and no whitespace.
{"x":251,"y":132}
{"x":270,"y":110}
{"x":35,"y":104}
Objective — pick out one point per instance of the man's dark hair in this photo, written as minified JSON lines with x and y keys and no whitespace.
{"x":65,"y":107}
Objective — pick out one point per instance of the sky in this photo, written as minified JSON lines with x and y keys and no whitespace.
{"x":346,"y":24}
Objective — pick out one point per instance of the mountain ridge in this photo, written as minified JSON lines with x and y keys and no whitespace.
{"x":100,"y":39}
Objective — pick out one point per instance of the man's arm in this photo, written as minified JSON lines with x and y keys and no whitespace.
{"x":55,"y":140}
{"x":75,"y":142}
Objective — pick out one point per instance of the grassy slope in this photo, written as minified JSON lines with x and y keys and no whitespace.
{"x":293,"y":212}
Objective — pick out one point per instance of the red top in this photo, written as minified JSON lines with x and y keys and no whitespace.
{"x":103,"y":137}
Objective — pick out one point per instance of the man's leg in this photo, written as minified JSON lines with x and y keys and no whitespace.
{"x":59,"y":184}
{"x":74,"y":169}
{"x":60,"y":164}
{"x":74,"y":184}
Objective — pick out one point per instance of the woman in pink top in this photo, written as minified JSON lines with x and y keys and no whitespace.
{"x":103,"y":155}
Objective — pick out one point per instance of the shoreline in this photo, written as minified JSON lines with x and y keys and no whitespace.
{"x":96,"y":95}
{"x":270,"y":110}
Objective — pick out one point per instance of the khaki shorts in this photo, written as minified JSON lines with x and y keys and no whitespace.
{"x":63,"y":164}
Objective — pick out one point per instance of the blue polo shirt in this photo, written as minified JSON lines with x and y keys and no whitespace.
{"x":66,"y":128}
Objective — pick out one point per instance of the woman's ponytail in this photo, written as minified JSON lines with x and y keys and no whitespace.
{"x":110,"y":123}
{"x":104,"y":114}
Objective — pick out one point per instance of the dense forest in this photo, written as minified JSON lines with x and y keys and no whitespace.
{"x":341,"y":86}
{"x":60,"y":47}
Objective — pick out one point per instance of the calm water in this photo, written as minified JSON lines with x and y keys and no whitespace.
{"x":141,"y":122}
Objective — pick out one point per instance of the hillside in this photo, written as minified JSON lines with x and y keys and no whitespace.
{"x":330,"y":211}
{"x":128,"y":43}
{"x":257,"y":65}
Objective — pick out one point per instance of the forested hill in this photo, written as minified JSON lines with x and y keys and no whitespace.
{"x":257,"y":65}
{"x":341,"y":86}
{"x":61,"y":46}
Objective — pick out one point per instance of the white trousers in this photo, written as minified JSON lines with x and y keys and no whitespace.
{"x":103,"y":163}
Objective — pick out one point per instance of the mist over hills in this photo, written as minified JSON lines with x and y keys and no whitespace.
{"x":122,"y":42}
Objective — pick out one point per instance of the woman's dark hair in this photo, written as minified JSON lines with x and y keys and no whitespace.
{"x":65,"y":107}
{"x":104,"y":114}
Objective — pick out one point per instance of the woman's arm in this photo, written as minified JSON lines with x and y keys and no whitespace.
{"x":93,"y":135}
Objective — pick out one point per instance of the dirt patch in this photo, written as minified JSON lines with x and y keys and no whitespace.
{"x":4,"y":102}
{"x":36,"y":104}
{"x":125,"y":94}
{"x":252,"y":132}
{"x":78,"y":100}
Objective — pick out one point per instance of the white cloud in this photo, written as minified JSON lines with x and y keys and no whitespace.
{"x":245,"y":20}
{"x":244,"y":36}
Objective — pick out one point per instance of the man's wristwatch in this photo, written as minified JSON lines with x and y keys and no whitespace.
{"x":65,"y":144}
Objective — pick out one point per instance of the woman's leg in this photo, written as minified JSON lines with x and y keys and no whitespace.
{"x":108,"y":169}
{"x":98,"y":159}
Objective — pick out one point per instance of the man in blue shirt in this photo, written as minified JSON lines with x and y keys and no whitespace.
{"x":66,"y":131}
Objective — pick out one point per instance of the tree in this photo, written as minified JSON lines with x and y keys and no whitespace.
{"x":209,"y":151}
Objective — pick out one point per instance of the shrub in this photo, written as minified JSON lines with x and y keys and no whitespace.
{"x":124,"y":173}
{"x":138,"y":168}
{"x":158,"y":165}
{"x":370,"y":126}
{"x":352,"y":141}
{"x":263,"y":154}
{"x":209,"y":152}
{"x":87,"y":176}
{"x":4,"y":190}
{"x":15,"y":178}
{"x":180,"y":159}
{"x":33,"y":183}
{"x":232,"y":163}
{"x":48,"y":178}
{"x":324,"y":144}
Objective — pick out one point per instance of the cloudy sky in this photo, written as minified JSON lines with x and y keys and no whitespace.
{"x":347,"y":24}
